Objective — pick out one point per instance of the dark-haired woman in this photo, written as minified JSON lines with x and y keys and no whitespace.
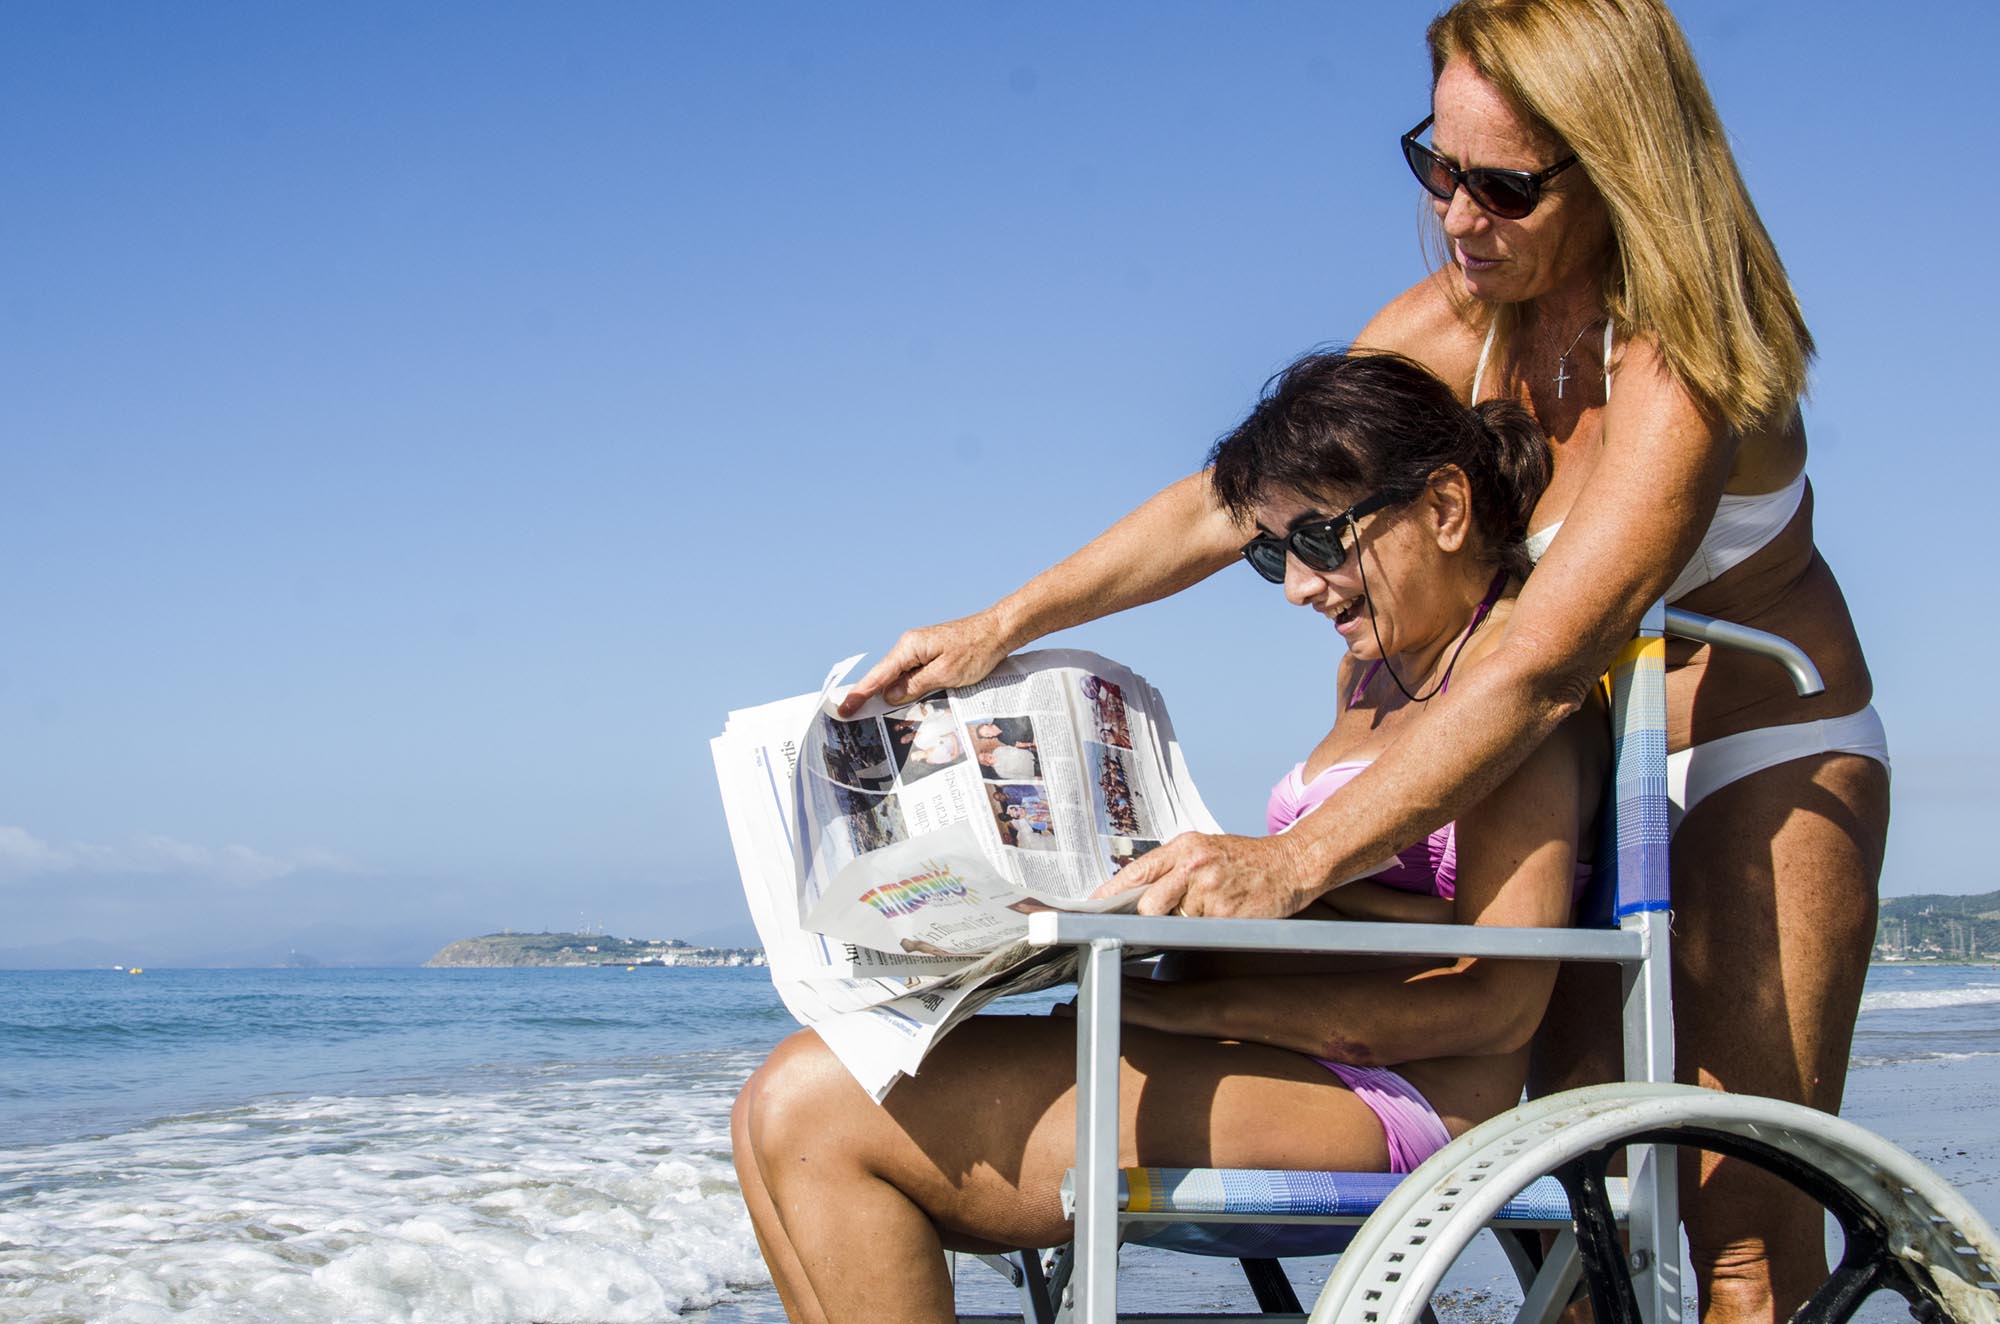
{"x":1603,"y":266}
{"x":1385,"y":505}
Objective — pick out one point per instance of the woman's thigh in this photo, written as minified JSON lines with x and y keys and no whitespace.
{"x":981,"y":1137}
{"x":1774,"y":899}
{"x":1774,"y":910}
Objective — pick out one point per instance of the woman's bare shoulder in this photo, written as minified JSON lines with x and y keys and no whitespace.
{"x":1645,"y":381}
{"x":1485,"y":641}
{"x":1649,"y":394}
{"x":1427,"y":323}
{"x":1584,"y":729}
{"x":1649,"y":404}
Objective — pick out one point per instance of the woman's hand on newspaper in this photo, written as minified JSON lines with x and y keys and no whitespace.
{"x":960,"y":652}
{"x":1219,"y":876}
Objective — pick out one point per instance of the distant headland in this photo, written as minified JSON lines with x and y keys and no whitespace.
{"x":586,"y":949}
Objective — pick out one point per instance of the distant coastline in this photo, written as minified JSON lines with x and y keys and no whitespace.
{"x":1937,"y":929}
{"x":510,"y":950}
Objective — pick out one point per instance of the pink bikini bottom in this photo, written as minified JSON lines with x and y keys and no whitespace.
{"x":1412,"y":1126}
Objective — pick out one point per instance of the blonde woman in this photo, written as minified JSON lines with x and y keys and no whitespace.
{"x":1603,"y":266}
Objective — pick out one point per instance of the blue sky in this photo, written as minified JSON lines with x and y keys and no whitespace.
{"x":420,"y":425}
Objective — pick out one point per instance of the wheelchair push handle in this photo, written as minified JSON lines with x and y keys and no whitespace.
{"x":1727,"y":634}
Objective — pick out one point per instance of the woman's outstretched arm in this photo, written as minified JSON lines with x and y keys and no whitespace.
{"x":1179,"y":537}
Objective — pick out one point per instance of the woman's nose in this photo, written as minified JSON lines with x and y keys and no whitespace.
{"x":1461,"y":215}
{"x":1302,"y":582}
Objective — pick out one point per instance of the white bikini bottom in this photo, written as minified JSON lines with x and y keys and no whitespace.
{"x":1695,"y":774}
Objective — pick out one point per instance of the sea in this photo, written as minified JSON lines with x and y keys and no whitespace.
{"x":434,"y":1146}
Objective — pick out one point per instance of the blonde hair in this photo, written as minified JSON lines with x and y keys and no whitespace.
{"x":1693,"y":267}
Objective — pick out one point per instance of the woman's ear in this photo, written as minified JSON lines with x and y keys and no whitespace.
{"x":1448,"y":506}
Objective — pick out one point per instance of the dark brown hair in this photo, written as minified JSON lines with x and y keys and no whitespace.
{"x":1365,"y":423}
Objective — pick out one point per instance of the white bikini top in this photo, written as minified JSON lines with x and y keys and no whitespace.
{"x":1742,"y":527}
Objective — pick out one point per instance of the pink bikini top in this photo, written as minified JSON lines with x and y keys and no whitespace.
{"x":1429,"y":868}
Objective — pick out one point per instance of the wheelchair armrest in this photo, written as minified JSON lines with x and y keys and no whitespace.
{"x":1062,"y":928}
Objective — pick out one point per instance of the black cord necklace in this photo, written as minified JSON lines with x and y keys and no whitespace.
{"x":1478,"y":617}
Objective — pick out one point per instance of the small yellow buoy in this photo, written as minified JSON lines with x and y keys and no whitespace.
{"x":135,"y":970}
{"x":630,"y":968}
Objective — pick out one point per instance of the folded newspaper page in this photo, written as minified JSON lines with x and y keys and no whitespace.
{"x":891,"y":860}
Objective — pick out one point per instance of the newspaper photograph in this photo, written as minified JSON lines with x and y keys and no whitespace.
{"x":891,"y":858}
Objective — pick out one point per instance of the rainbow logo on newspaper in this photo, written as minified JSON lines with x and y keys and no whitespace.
{"x":906,"y":896}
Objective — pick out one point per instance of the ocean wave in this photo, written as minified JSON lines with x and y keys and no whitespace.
{"x":1863,"y":1061}
{"x":1904,"y":1000}
{"x":603,"y":1200}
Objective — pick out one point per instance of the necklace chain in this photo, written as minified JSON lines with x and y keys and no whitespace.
{"x":1562,"y":360}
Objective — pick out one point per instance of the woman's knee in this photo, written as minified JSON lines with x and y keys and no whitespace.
{"x":1757,"y":1251}
{"x":789,"y":1101}
{"x":1739,"y":1216}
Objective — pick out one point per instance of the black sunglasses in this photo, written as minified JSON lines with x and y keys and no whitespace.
{"x":1316,"y":544}
{"x":1508,"y":194}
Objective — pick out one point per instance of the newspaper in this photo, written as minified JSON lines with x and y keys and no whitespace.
{"x":891,"y":860}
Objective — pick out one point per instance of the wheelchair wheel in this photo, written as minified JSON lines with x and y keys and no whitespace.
{"x":1906,"y":1229}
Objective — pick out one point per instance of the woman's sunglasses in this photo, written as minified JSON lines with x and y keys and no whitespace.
{"x":1508,"y":194}
{"x":1316,"y":544}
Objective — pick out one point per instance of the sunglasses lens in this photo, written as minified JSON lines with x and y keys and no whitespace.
{"x":1318,"y":545}
{"x":1507,"y":195}
{"x":1267,"y":557}
{"x":1430,"y":171}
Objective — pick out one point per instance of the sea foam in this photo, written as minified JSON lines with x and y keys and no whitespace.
{"x":555,"y":1198}
{"x":1909,"y":999}
{"x":1865,"y":1061}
